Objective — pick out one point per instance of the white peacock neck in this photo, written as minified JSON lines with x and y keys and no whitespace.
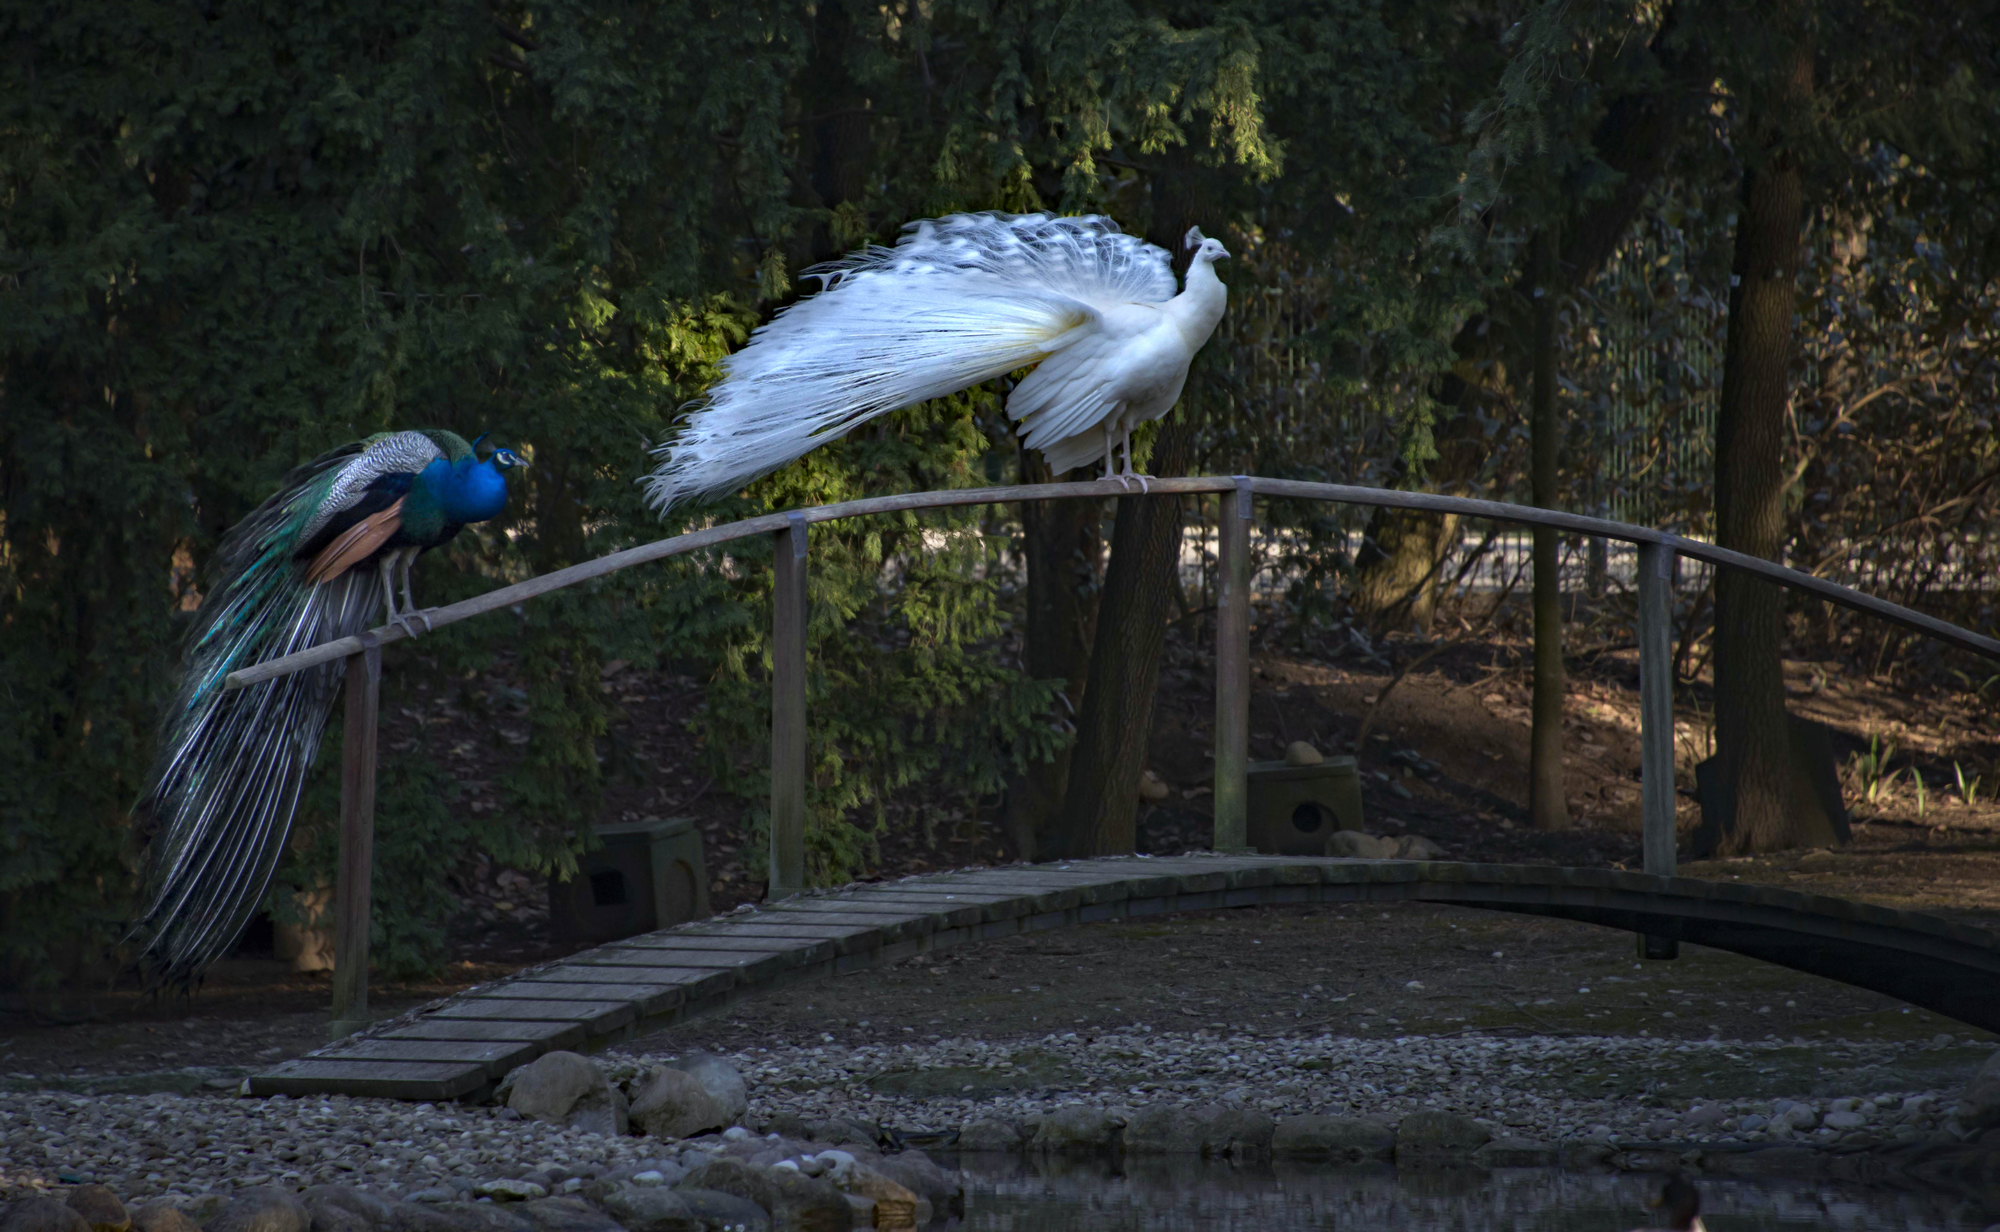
{"x":1199,"y":307}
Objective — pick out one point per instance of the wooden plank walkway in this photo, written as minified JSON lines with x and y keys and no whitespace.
{"x":460,"y":1047}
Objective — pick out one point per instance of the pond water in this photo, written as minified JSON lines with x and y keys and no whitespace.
{"x":1010,"y":1194}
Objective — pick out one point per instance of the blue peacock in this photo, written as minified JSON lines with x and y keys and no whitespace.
{"x":307,"y":566}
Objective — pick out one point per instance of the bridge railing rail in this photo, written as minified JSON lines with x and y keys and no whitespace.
{"x":1656,"y":551}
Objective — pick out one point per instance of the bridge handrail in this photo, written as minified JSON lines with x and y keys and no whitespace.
{"x":1232,"y":665}
{"x":770,"y":523}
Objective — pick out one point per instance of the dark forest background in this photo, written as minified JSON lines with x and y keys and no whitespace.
{"x":1725,"y":267}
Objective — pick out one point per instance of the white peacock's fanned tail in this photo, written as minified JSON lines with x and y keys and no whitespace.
{"x":957,"y":301}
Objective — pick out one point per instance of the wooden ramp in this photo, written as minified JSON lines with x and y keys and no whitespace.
{"x":459,"y":1047}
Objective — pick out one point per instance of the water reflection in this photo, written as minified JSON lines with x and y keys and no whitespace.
{"x":1006,"y":1193}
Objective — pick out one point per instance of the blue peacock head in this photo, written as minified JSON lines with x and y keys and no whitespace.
{"x":471,"y":488}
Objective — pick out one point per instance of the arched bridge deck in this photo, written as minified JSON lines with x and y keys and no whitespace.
{"x":458,"y":1047}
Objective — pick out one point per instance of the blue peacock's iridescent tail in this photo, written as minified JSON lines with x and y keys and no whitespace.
{"x":232,"y":763}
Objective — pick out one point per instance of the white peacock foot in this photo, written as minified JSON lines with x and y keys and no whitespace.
{"x":423,"y":614}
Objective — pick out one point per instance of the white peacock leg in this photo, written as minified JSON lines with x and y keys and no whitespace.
{"x":1110,"y":427}
{"x":1129,"y":471}
{"x":404,"y":559}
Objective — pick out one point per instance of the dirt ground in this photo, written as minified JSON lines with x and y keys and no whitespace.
{"x":1445,"y":757}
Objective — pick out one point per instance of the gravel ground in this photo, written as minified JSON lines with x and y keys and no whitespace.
{"x":1541,"y":1029}
{"x":167,"y":1143}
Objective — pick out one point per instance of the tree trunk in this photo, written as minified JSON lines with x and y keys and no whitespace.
{"x":1635,"y":138}
{"x":1101,"y":803}
{"x":1064,"y":549}
{"x":1547,"y":809}
{"x":1768,"y":799}
{"x":1396,"y":570}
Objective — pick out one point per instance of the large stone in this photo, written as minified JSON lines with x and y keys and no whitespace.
{"x":843,"y":1132}
{"x":1979,"y":1107}
{"x":100,"y":1208}
{"x":265,"y":1208}
{"x":341,"y":1208}
{"x":1341,"y":1139}
{"x":672,"y":1103}
{"x":484,"y":1217}
{"x":562,"y":1088}
{"x":721,"y":1080}
{"x":204,"y":1207}
{"x":1515,"y":1153}
{"x":1438,"y":1137}
{"x":1077,"y":1130}
{"x":891,"y":1205}
{"x":936,"y":1189}
{"x":795,"y":1201}
{"x":162,"y":1217}
{"x":716,"y":1211}
{"x":1162,"y":1130}
{"x":649,"y":1208}
{"x":1236,"y":1132}
{"x":1356,"y":845}
{"x":41,"y":1215}
{"x":990,"y":1134}
{"x":567,"y":1214}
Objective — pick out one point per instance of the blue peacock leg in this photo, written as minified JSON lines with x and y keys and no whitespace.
{"x":385,"y":564}
{"x":406,"y":558}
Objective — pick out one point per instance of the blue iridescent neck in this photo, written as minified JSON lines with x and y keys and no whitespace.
{"x":467,"y":490}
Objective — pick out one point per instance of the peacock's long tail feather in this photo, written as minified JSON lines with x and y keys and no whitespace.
{"x":232,"y":763}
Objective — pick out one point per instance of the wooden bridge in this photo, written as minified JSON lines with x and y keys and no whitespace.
{"x":654,"y":980}
{"x":460,"y":1047}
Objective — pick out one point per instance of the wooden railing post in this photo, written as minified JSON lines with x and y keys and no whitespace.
{"x":1656,"y":724}
{"x":1232,"y":669}
{"x":353,"y":888}
{"x":788,"y":712}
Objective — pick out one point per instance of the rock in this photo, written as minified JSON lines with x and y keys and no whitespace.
{"x":649,"y":1209}
{"x":1151,"y":789}
{"x":1704,"y":1115}
{"x":100,"y":1208}
{"x":1299,"y":753}
{"x":1979,"y":1107}
{"x":162,"y":1217}
{"x":1235,"y":1132}
{"x":1416,"y":847}
{"x":1844,"y":1120}
{"x":263,"y":1209}
{"x":1076,"y":1130}
{"x":716,"y":1211}
{"x":936,"y":1189}
{"x":840,"y":1132}
{"x":1340,"y":1139}
{"x":794,"y":1200}
{"x":340,"y":1208}
{"x":721,"y":1080}
{"x":483,"y":1217}
{"x":1162,"y":1129}
{"x":672,"y":1103}
{"x":1798,"y":1116}
{"x":1437,"y":1136}
{"x":567,"y":1214}
{"x":506,"y":1189}
{"x":562,"y":1088}
{"x":891,"y":1205}
{"x":1515,"y":1153}
{"x":41,"y":1215}
{"x":1355,"y":845}
{"x":1753,"y":1122}
{"x":990,"y":1134}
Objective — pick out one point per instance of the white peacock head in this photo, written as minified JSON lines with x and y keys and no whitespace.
{"x":1205,"y":249}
